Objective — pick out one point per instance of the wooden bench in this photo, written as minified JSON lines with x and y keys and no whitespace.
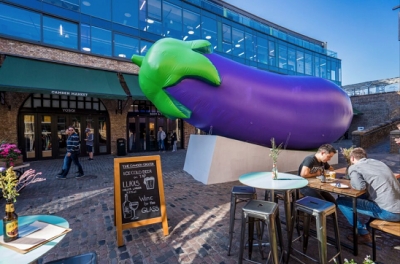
{"x":392,"y":228}
{"x":20,"y":169}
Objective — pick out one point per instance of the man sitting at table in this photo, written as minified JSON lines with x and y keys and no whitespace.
{"x":382,"y":199}
{"x":315,"y":165}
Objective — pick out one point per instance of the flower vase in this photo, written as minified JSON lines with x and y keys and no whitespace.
{"x":274,"y":171}
{"x":10,"y":223}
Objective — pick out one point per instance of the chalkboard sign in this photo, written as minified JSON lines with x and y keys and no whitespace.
{"x":139,"y":193}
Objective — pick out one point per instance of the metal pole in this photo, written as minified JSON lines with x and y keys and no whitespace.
{"x":394,"y":8}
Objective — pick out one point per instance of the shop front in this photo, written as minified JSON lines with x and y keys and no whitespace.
{"x":46,"y":97}
{"x":42,"y":133}
{"x":144,"y":121}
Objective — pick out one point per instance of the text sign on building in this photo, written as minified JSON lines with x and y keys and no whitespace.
{"x":139,"y":193}
{"x":70,"y":93}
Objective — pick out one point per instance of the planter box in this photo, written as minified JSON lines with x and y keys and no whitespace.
{"x":17,"y":162}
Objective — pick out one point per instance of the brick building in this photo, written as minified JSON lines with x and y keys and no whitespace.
{"x":68,"y":63}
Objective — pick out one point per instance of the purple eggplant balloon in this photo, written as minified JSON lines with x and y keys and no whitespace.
{"x":242,"y":102}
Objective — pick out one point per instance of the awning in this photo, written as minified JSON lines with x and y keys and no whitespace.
{"x":34,"y":76}
{"x":132,"y":81}
{"x":357,"y":112}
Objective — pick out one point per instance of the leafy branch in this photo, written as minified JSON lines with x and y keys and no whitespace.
{"x":275,"y":150}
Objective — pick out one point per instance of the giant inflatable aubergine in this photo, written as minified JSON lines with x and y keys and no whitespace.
{"x":185,"y":80}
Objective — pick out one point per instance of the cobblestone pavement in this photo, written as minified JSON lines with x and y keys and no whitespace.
{"x":198,"y":215}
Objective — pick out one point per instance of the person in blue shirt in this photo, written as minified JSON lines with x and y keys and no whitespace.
{"x":89,"y":143}
{"x":73,"y":150}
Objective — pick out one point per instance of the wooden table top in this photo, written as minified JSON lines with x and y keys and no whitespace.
{"x":317,"y":184}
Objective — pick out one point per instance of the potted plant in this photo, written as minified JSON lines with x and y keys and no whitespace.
{"x":10,"y":155}
{"x":10,"y":186}
{"x":275,"y":150}
{"x":366,"y":260}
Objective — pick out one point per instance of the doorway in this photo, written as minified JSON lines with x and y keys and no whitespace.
{"x":142,"y":132}
{"x":43,"y":135}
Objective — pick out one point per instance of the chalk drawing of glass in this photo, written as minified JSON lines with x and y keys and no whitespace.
{"x":149,"y":182}
{"x":134,"y":206}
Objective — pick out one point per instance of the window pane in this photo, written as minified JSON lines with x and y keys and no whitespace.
{"x":209,"y":28}
{"x":300,"y":61}
{"x":150,"y":21}
{"x":144,"y":47}
{"x":237,"y":39}
{"x":227,"y":47}
{"x":322,"y":68}
{"x":29,"y":134}
{"x":291,"y":60}
{"x":37,"y":103}
{"x":172,"y":19}
{"x":226,"y":33}
{"x":251,"y":47}
{"x":68,"y":4}
{"x":45,"y":141}
{"x":191,"y":25}
{"x":85,"y":38}
{"x":98,"y":8}
{"x":102,"y":135}
{"x":262,"y":50}
{"x":101,"y":41}
{"x":125,"y":12}
{"x":316,"y":63}
{"x":60,"y":32}
{"x":125,"y":47}
{"x":308,"y":64}
{"x":19,"y":23}
{"x":154,"y":9}
{"x":272,"y":60}
{"x":282,"y":56}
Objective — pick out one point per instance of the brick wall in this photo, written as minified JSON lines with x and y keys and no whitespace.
{"x":376,"y":108}
{"x":8,"y":124}
{"x":117,"y":121}
{"x":23,"y":49}
{"x":394,"y":148}
{"x":9,"y":116}
{"x":375,"y":134}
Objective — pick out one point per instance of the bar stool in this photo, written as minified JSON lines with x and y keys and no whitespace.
{"x":319,"y":209}
{"x":239,"y":194}
{"x":268,"y":214}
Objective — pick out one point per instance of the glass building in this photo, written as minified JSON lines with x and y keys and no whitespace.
{"x":102,"y":35}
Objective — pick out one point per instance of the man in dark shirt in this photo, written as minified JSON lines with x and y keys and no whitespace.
{"x":72,"y":154}
{"x":315,"y":165}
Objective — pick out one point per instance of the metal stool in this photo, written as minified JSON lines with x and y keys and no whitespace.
{"x":320,"y":209}
{"x":267,"y":213}
{"x":239,"y":194}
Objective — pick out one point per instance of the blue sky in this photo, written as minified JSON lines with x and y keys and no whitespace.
{"x":364,"y":33}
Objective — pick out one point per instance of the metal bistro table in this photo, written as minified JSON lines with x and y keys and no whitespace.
{"x":286,"y":182}
{"x":349,"y":192}
{"x":11,"y":256}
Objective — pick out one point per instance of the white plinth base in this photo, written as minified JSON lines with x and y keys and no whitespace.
{"x":214,"y":159}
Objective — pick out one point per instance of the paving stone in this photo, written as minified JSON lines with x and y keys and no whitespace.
{"x":198,"y":215}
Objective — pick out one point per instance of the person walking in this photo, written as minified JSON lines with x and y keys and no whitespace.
{"x":89,"y":143}
{"x":64,"y":167}
{"x":72,"y":155}
{"x":160,"y":138}
{"x":174,"y":139}
{"x":382,"y":199}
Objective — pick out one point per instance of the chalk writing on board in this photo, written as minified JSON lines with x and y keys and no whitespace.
{"x":139,"y":191}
